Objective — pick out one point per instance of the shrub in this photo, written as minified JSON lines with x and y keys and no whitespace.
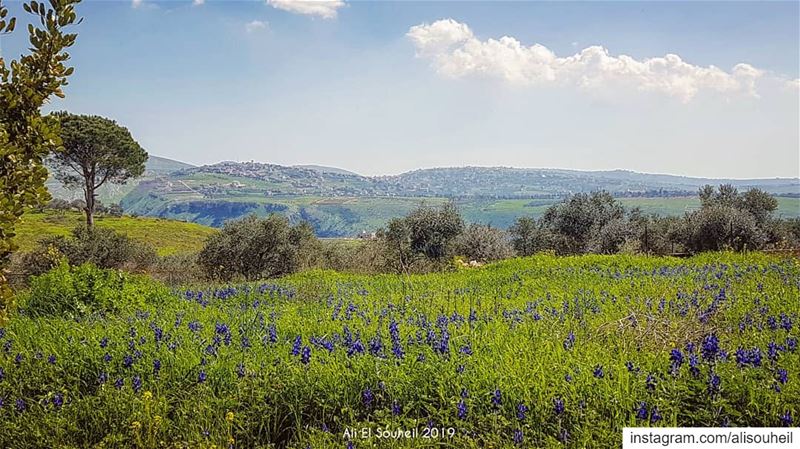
{"x":257,"y":247}
{"x":719,"y":226}
{"x":483,"y":243}
{"x":102,"y":247}
{"x":176,"y":269}
{"x":74,"y":292}
{"x":427,"y":232}
{"x":530,"y":236}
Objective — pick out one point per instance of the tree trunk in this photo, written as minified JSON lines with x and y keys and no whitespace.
{"x":89,"y":209}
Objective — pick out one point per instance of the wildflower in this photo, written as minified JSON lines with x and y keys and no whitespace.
{"x":558,"y":406}
{"x":147,"y":395}
{"x":466,"y":350}
{"x":296,"y":347}
{"x":598,"y":372}
{"x":791,"y":344}
{"x":497,"y":397}
{"x":518,"y":437}
{"x":462,"y":409}
{"x":650,"y":382}
{"x":240,"y":371}
{"x":786,"y":419}
{"x":710,"y":347}
{"x":713,"y":383}
{"x":136,"y":382}
{"x":641,"y":412}
{"x":156,"y":366}
{"x":397,"y":409}
{"x":631,"y":367}
{"x":136,"y":425}
{"x":119,"y":383}
{"x":569,"y":342}
{"x":229,"y":416}
{"x":655,"y":416}
{"x":367,"y":397}
{"x":676,"y":356}
{"x":104,"y":342}
{"x":2,"y":373}
{"x":20,"y":404}
{"x":272,"y":332}
{"x":693,"y":365}
{"x":127,"y":361}
{"x":522,"y":411}
{"x":51,"y":359}
{"x":202,"y":376}
{"x":58,"y":400}
{"x":102,"y":378}
{"x":782,"y":376}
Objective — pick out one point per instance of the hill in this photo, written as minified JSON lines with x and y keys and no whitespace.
{"x":167,"y":236}
{"x":340,"y":203}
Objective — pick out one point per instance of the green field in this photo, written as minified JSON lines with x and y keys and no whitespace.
{"x":166,"y":236}
{"x":534,"y":352}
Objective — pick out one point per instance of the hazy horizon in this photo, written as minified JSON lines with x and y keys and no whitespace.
{"x":693,"y":89}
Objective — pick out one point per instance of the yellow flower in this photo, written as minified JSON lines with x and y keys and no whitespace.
{"x":147,"y":395}
{"x":157,"y":419}
{"x":231,"y":441}
{"x":229,"y":417}
{"x":136,"y":425}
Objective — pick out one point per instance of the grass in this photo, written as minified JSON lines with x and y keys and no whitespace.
{"x":617,"y":340}
{"x":167,"y":236}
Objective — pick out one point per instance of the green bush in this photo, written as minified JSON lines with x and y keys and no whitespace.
{"x":72,"y":292}
{"x":102,"y":247}
{"x":253,"y":248}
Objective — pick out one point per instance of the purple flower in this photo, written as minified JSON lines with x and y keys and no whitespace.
{"x":569,"y":342}
{"x":58,"y":400}
{"x":297,"y":346}
{"x":367,"y":397}
{"x":710,"y":347}
{"x":156,"y":366}
{"x":240,"y":371}
{"x":21,"y":406}
{"x":522,"y":411}
{"x":462,"y":409}
{"x":306,"y":355}
{"x":202,"y":376}
{"x":641,"y":412}
{"x":136,"y":383}
{"x":782,"y":376}
{"x":786,"y":419}
{"x":119,"y":383}
{"x":713,"y":383}
{"x":397,"y":409}
{"x":518,"y":437}
{"x":558,"y":406}
{"x":598,"y":372}
{"x":51,"y":359}
{"x":497,"y":397}
{"x":655,"y":416}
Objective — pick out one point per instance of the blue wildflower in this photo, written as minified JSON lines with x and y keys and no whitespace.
{"x":21,"y":406}
{"x":397,"y":409}
{"x":367,"y":397}
{"x":641,"y":412}
{"x":786,"y":419}
{"x":156,"y":366}
{"x":462,"y":409}
{"x":136,"y":382}
{"x":569,"y":342}
{"x":710,"y":347}
{"x":655,"y":416}
{"x":598,"y":372}
{"x":296,"y":347}
{"x":558,"y":406}
{"x":497,"y":397}
{"x":58,"y":400}
{"x":518,"y":437}
{"x":306,"y":355}
{"x":522,"y":411}
{"x":782,"y":376}
{"x":202,"y":376}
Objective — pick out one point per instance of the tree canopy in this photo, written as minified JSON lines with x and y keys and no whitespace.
{"x":96,"y":150}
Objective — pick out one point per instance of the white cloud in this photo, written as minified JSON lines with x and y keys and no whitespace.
{"x":136,"y":3}
{"x":255,"y":25}
{"x":198,"y":2}
{"x":322,"y":8}
{"x":455,"y":52}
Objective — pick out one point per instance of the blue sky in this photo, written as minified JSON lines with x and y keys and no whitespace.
{"x":385,"y":87}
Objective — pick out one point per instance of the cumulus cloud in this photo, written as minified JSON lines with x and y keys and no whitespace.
{"x":198,"y":2}
{"x":136,"y":3}
{"x":255,"y":25}
{"x":321,"y":8}
{"x":455,"y":52}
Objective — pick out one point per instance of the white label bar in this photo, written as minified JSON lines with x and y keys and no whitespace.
{"x":710,"y":437}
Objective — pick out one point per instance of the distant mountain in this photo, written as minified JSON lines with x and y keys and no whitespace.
{"x":162,"y":166}
{"x":324,"y":169}
{"x":341,"y":203}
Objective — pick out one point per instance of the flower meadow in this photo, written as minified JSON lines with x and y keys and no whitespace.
{"x":534,"y":352}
